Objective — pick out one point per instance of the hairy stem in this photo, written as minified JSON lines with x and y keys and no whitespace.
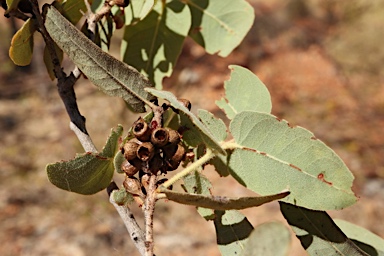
{"x":202,"y":160}
{"x":149,"y":209}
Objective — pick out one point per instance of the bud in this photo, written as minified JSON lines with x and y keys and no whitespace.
{"x":160,"y":137}
{"x":141,"y":130}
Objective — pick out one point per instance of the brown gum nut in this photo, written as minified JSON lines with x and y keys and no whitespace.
{"x":180,"y":152}
{"x":128,"y":168}
{"x":175,"y":160}
{"x":155,"y":164}
{"x":174,"y":136}
{"x":160,"y":137}
{"x":132,"y":185}
{"x":169,"y":150}
{"x":186,"y":103}
{"x":130,"y":149}
{"x":145,"y":151}
{"x":141,"y":130}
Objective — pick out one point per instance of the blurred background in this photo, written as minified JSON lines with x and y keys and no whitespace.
{"x":322,"y":63}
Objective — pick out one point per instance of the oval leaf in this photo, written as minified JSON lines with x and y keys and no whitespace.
{"x":215,"y":125}
{"x":232,"y":232}
{"x":153,"y":45}
{"x":21,"y":49}
{"x":72,"y":10}
{"x":201,"y":132}
{"x":364,"y":239}
{"x":271,"y":155}
{"x":244,"y":91}
{"x":112,"y":76}
{"x":220,"y":26}
{"x":268,"y":239}
{"x":88,"y":173}
{"x":317,"y":232}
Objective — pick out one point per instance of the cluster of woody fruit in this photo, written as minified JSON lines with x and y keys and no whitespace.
{"x":151,"y":151}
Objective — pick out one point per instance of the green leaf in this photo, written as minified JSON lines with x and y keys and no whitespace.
{"x":138,"y":10}
{"x":146,"y":8}
{"x":118,"y":161}
{"x":88,"y":173}
{"x":220,"y":25}
{"x":317,"y":232}
{"x":270,"y":155}
{"x":197,"y":183}
{"x":232,"y":228}
{"x":215,"y":125}
{"x":153,"y":45}
{"x":72,"y":10}
{"x":203,"y":135}
{"x":21,"y":49}
{"x":110,"y":75}
{"x":232,"y":232}
{"x":369,"y":242}
{"x":220,"y":202}
{"x":244,"y":91}
{"x":268,"y":239}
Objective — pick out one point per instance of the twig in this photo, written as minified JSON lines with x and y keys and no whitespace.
{"x":149,"y":209}
{"x":84,"y":139}
{"x":202,"y":160}
{"x":134,"y":230}
{"x":64,"y":83}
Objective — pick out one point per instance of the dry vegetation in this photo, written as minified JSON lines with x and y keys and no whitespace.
{"x":321,"y":62}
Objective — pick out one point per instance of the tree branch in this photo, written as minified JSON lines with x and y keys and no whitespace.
{"x":134,"y":230}
{"x":149,"y":209}
{"x":64,"y":83}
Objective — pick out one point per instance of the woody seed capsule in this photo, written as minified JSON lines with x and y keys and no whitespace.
{"x":145,"y":151}
{"x":141,"y":130}
{"x":130,"y":149}
{"x":160,"y":137}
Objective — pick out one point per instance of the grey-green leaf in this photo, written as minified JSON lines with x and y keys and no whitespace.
{"x":270,"y":155}
{"x":317,"y":232}
{"x":364,"y":239}
{"x":88,"y":173}
{"x":268,"y":239}
{"x":215,"y":125}
{"x":232,"y":232}
{"x":220,"y":26}
{"x":244,"y":91}
{"x":200,"y":131}
{"x":112,"y":76}
{"x":220,"y":202}
{"x":197,"y":183}
{"x":153,"y":44}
